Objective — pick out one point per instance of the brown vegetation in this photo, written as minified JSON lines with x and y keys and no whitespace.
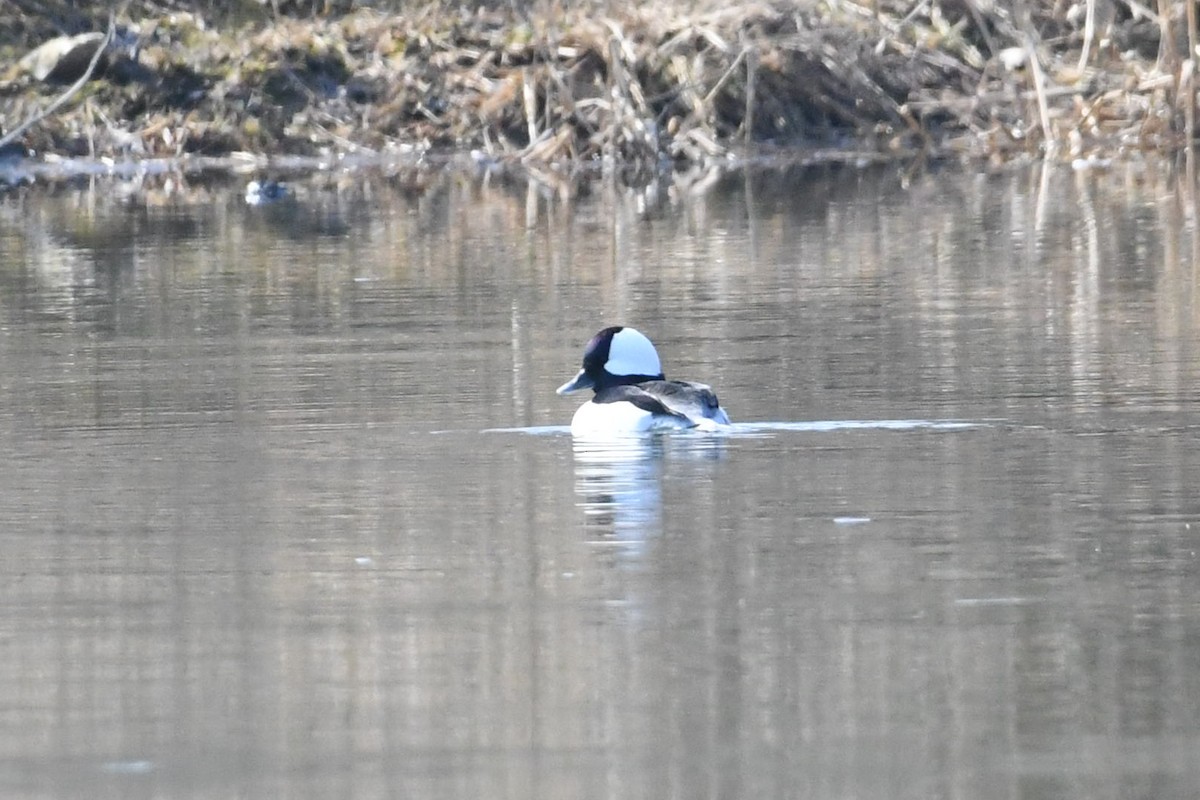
{"x":639,"y":83}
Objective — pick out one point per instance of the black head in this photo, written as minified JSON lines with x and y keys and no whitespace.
{"x":616,"y":356}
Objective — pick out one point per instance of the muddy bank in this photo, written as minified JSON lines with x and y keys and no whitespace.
{"x":616,"y":83}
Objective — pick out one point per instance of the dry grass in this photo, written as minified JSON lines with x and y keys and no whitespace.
{"x":633,"y":84}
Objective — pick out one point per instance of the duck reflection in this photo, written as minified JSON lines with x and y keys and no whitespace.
{"x":618,"y":484}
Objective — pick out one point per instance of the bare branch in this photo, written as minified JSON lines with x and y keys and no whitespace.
{"x":71,"y":91}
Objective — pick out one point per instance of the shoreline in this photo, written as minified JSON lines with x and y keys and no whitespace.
{"x":626,"y":88}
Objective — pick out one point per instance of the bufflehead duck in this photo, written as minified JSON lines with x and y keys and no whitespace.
{"x":632,"y":395}
{"x":262,"y":192}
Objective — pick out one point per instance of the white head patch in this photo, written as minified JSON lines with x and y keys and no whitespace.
{"x":631,"y":353}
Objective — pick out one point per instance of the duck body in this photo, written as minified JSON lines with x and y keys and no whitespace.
{"x":631,"y":393}
{"x":262,"y":192}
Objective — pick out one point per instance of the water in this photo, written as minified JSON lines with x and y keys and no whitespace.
{"x":288,"y":508}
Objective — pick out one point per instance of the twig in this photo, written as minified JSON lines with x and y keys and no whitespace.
{"x":894,"y":29}
{"x":751,"y":79}
{"x":1039,"y":78}
{"x":720,"y":84}
{"x":69,"y":93}
{"x":1188,"y":86}
{"x":981,"y":24}
{"x":529,"y":96}
{"x":1193,"y":36}
{"x":1089,"y":32}
{"x":1166,"y":40}
{"x":1139,"y":10}
{"x":962,"y":105}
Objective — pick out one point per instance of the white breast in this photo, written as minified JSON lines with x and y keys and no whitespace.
{"x":619,"y":419}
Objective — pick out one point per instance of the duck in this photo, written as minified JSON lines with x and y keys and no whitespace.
{"x":262,"y":192}
{"x":632,"y":395}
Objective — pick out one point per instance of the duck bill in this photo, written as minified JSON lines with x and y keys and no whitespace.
{"x":576,"y":384}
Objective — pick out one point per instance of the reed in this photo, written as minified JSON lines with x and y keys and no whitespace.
{"x":623,"y":82}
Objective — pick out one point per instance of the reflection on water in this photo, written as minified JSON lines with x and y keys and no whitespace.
{"x":289,"y":507}
{"x":618,"y":484}
{"x":618,"y":480}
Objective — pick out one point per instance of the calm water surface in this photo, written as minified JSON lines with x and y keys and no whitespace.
{"x":287,"y":507}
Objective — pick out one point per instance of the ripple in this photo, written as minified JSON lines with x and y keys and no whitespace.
{"x":759,"y":428}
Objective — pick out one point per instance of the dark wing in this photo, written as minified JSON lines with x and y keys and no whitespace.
{"x":684,"y":398}
{"x":645,"y":400}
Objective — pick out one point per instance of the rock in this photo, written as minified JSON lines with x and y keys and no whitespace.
{"x":63,"y":59}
